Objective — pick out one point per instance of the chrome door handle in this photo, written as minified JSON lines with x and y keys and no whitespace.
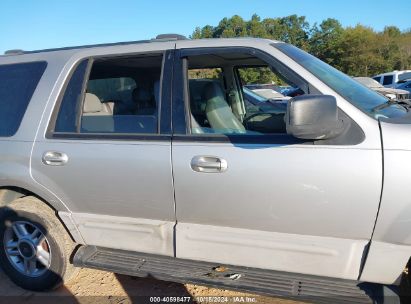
{"x":54,"y":158}
{"x":208,"y":164}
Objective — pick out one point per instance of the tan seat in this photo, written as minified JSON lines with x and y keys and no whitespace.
{"x":110,"y":106}
{"x":93,"y":106}
{"x":96,"y":116}
{"x":219,"y":114}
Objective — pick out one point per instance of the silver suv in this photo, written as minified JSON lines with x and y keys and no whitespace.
{"x":145,"y":158}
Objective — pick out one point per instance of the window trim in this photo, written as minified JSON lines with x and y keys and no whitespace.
{"x":162,"y":115}
{"x":276,"y":139}
{"x":112,"y":136}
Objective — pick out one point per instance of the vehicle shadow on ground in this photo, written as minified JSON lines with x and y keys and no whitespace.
{"x":11,"y":293}
{"x":146,"y":289}
{"x":129,"y":290}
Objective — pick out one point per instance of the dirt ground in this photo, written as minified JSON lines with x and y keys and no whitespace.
{"x":93,"y":286}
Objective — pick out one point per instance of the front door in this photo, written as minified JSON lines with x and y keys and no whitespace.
{"x":249,"y":194}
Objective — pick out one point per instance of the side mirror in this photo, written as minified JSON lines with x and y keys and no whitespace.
{"x":313,"y":117}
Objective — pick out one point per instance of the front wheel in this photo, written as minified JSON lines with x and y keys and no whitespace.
{"x":36,"y":249}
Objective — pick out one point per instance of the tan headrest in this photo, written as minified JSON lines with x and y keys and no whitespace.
{"x":92,"y":104}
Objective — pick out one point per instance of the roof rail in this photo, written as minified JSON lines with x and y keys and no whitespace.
{"x":14,"y":52}
{"x":170,"y":36}
{"x":159,"y":38}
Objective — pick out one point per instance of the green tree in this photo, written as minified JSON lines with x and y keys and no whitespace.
{"x":358,"y":50}
{"x":325,"y":41}
{"x":388,"y":47}
{"x":291,"y":29}
{"x":360,"y":55}
{"x":230,"y":27}
{"x":258,"y":75}
{"x":404,"y":42}
{"x":205,"y":32}
{"x":255,"y":28}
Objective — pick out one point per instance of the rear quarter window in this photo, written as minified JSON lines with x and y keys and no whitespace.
{"x":17,"y":85}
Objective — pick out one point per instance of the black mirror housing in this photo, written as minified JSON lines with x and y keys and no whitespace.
{"x":313,"y":117}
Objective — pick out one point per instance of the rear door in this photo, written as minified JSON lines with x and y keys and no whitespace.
{"x":107,"y":152}
{"x":249,"y":194}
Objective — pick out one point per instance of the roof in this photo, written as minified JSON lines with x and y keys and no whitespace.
{"x":159,"y":38}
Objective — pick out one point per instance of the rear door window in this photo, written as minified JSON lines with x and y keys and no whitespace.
{"x":17,"y":85}
{"x":119,"y":95}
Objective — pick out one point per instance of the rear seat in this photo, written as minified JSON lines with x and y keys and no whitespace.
{"x":96,"y":115}
{"x":97,"y":118}
{"x":110,"y":106}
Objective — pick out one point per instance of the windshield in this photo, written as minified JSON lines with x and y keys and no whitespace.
{"x":359,"y":95}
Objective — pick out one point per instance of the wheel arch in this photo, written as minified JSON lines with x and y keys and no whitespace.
{"x":16,"y":189}
{"x":9,"y":194}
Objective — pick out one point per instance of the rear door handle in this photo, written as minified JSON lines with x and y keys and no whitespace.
{"x":54,"y":158}
{"x":208,"y":164}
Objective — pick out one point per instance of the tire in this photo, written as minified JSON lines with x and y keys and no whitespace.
{"x":35,"y":248}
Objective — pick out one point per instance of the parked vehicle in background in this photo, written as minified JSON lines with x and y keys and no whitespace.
{"x":256,"y":86}
{"x":144,"y":158}
{"x":254,"y":100}
{"x":269,"y":94}
{"x":390,"y":79}
{"x":292,"y":92}
{"x":390,"y":93}
{"x":405,"y":85}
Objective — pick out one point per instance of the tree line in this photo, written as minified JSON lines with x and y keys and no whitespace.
{"x":357,"y":51}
